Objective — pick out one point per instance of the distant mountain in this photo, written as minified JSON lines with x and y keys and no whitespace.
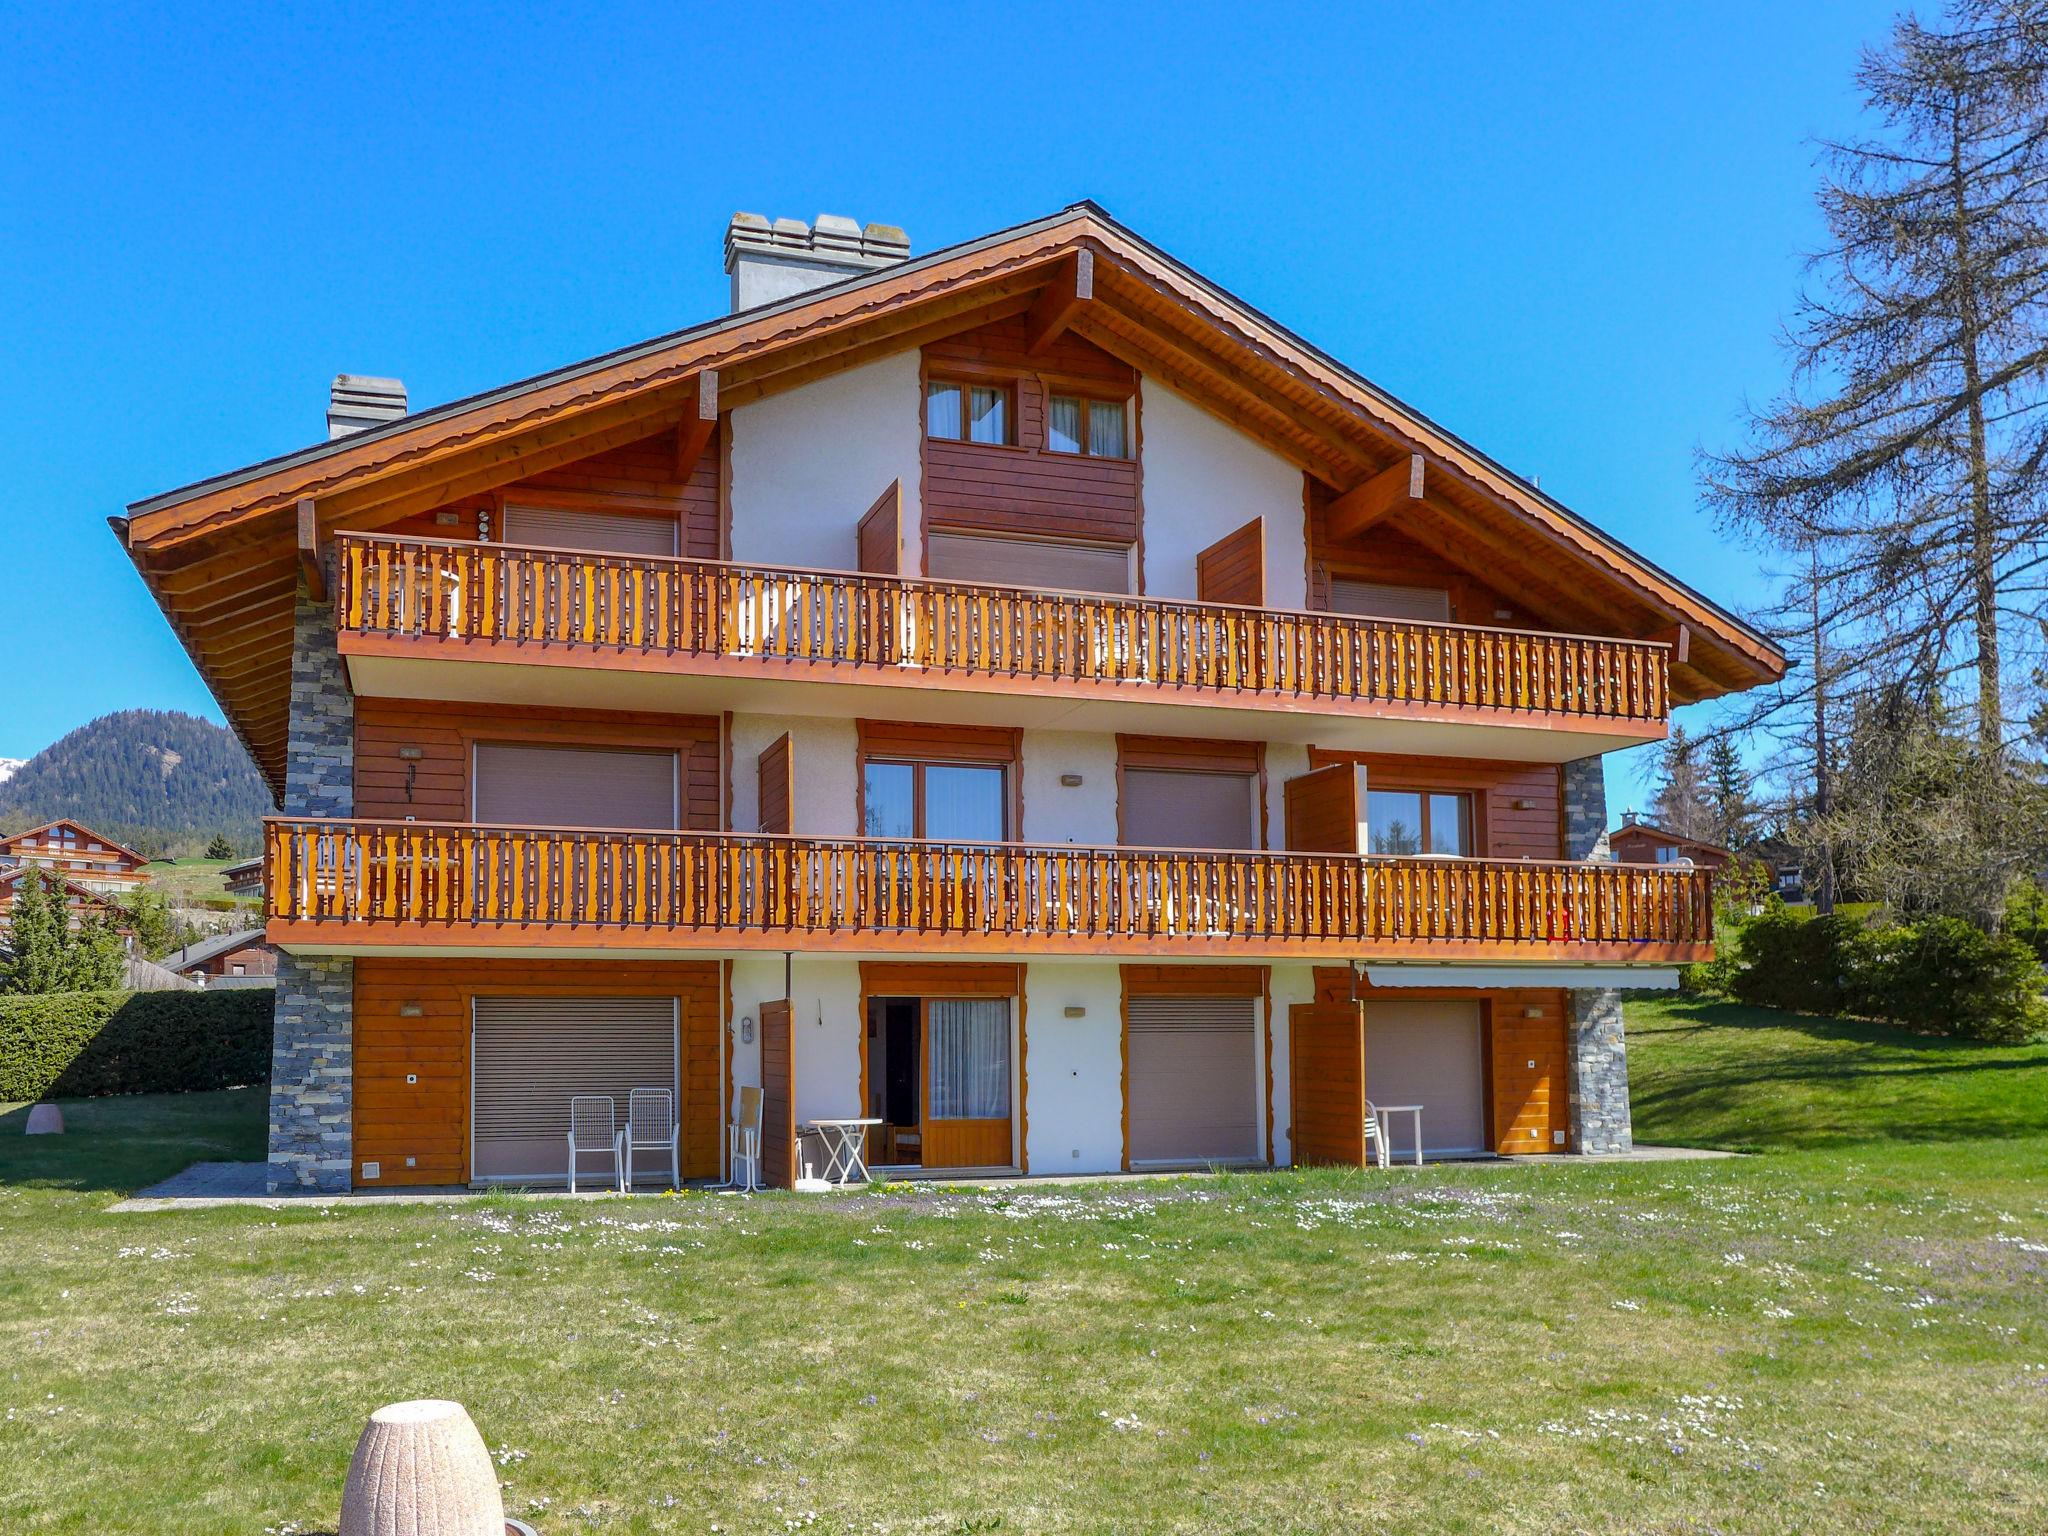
{"x":161,"y":782}
{"x":8,"y":765}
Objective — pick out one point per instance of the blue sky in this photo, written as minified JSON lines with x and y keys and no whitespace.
{"x":1567,"y":233}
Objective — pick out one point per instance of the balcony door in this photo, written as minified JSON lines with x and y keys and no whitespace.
{"x":939,"y":1075}
{"x":953,"y":802}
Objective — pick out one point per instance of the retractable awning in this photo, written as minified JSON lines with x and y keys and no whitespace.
{"x":1650,"y":978}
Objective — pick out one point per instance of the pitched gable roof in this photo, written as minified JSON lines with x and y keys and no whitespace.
{"x":107,"y":844}
{"x":222,"y":555}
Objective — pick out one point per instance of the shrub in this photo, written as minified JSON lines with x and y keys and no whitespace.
{"x":1811,"y":964}
{"x":1948,"y":977}
{"x":84,"y":1044}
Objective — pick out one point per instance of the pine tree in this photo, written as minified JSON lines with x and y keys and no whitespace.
{"x":39,"y":935}
{"x":1730,"y":807}
{"x":95,"y":960}
{"x":220,"y":847}
{"x":1680,"y":805}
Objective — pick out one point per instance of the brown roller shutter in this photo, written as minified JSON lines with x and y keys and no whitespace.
{"x":1046,"y":565}
{"x":522,"y":786}
{"x":1376,"y":600}
{"x":1174,"y":809}
{"x":1426,"y":1051}
{"x":530,"y":1055}
{"x":1194,"y":1084}
{"x":612,"y":533}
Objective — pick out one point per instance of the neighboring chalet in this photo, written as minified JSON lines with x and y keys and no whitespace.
{"x":1644,"y":842}
{"x":80,"y":854}
{"x":245,"y":878}
{"x":1020,"y":694}
{"x":78,"y":898}
{"x":244,"y":959}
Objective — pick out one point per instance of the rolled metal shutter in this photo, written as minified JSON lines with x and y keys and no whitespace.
{"x":1378,"y":600}
{"x":522,"y":786}
{"x":612,"y":533}
{"x":1046,"y":565}
{"x":1426,"y":1051}
{"x":1167,"y":808}
{"x":1194,"y":1089}
{"x":530,"y":1055}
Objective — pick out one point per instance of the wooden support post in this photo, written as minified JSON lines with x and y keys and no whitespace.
{"x":1061,"y":300}
{"x":694,"y":431}
{"x":1679,"y":638}
{"x":309,"y":551}
{"x":1393,"y":488}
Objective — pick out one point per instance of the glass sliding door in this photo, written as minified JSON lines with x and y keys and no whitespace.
{"x":967,"y":1083}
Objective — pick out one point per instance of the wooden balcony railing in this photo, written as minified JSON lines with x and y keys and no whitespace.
{"x":756,"y":890}
{"x":644,"y":605}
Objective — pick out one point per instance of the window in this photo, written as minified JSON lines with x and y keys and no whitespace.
{"x":968,"y":1041}
{"x":1667,"y":855}
{"x":954,"y":802}
{"x":1407,"y":823}
{"x":974,"y":413}
{"x":1074,"y":424}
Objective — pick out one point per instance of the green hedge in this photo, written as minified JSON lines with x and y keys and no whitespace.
{"x":83,"y":1044}
{"x":1940,"y":975}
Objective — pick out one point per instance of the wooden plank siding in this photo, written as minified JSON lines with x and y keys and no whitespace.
{"x":1518,"y":808}
{"x":428,"y":1121}
{"x":1527,"y":1107}
{"x":1024,"y":488}
{"x":638,"y":478}
{"x":436,"y":785}
{"x":1326,"y":1079}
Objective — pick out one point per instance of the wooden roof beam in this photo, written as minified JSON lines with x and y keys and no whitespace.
{"x":694,"y":431}
{"x":311,"y":566}
{"x":1393,"y":489}
{"x":1071,"y":288}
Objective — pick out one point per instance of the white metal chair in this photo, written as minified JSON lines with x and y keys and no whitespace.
{"x":651,"y":1127}
{"x":1375,"y":1134}
{"x":743,"y":1141}
{"x":593,"y":1130}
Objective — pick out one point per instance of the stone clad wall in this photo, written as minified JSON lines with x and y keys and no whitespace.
{"x":1596,"y":1051}
{"x":312,"y":1103}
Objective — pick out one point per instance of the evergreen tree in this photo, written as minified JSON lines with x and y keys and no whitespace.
{"x":1681,"y":804}
{"x":157,"y":928}
{"x":39,"y":935}
{"x":95,"y":960}
{"x":220,"y":847}
{"x":1731,"y":809}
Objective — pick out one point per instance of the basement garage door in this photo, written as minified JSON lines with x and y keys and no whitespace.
{"x":1193,"y":1075}
{"x":530,"y":1055}
{"x":1426,"y":1051}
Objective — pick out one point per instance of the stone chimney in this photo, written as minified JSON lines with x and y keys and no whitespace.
{"x":770,"y":261}
{"x":357,"y":401}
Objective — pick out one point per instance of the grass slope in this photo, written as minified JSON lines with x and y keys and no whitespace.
{"x":1751,"y":1079}
{"x":1845,"y":1336}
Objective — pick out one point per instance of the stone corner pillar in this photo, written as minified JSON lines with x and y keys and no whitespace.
{"x":312,"y":1100}
{"x":1597,"y":1056}
{"x":1585,"y":808}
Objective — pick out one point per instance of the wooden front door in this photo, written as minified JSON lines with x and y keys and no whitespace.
{"x":1326,"y":1071}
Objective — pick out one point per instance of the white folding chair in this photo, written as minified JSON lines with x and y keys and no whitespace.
{"x":743,"y":1141}
{"x":594,"y":1130}
{"x":651,"y":1127}
{"x":1375,"y":1133}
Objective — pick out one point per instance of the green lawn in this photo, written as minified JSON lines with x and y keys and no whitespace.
{"x":190,"y":881}
{"x":1849,"y":1334}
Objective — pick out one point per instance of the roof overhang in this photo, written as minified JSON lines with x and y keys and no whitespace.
{"x":224,"y":556}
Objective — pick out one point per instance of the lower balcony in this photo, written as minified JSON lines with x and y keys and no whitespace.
{"x":367,"y":886}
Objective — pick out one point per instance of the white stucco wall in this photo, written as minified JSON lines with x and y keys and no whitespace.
{"x":827,"y":1054}
{"x":1290,"y":984}
{"x":826,"y":757}
{"x":808,"y":463}
{"x":1055,"y":813}
{"x":1284,"y":761}
{"x":1076,"y":1104}
{"x":1202,"y":480}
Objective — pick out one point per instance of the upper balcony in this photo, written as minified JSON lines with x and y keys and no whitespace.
{"x":454,"y":620}
{"x":362,"y":886}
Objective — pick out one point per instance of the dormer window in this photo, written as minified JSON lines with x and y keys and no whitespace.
{"x":1094,"y":428}
{"x":972,"y":413}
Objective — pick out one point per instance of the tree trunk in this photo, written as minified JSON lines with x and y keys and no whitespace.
{"x":1983,"y":526}
{"x":1824,"y":897}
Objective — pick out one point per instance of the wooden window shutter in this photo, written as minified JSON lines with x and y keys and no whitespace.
{"x":775,"y":765}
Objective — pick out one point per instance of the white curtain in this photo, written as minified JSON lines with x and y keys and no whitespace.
{"x":1063,"y":424}
{"x":969,"y":1041}
{"x":1106,"y":429}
